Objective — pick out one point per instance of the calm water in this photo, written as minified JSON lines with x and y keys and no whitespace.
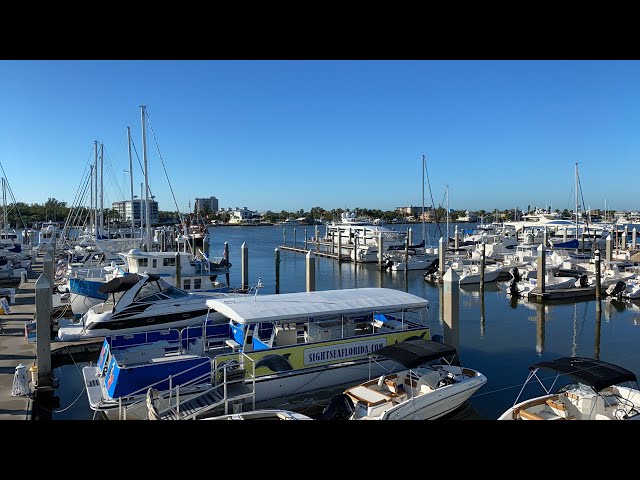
{"x":497,"y":336}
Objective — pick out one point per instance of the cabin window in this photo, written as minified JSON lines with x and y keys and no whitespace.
{"x":187,"y":284}
{"x":197,"y":283}
{"x":155,"y":263}
{"x":169,"y":262}
{"x":143,"y":262}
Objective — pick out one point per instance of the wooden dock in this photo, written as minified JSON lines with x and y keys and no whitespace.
{"x":318,"y":253}
{"x":582,"y":293}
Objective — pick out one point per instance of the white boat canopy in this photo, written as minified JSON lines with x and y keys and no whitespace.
{"x":286,"y":306}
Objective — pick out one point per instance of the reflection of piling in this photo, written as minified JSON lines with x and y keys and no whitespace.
{"x":277,"y":270}
{"x":178,"y":271}
{"x":482,"y":323}
{"x":596,"y":256}
{"x":540,"y":320}
{"x":541,"y":268}
{"x":244,"y":261}
{"x":608,"y":249}
{"x":482,"y":262}
{"x":451,"y":289}
{"x":441,"y":252}
{"x":596,"y":350}
{"x":311,"y":271}
{"x":226,"y":256}
{"x":43,"y":331}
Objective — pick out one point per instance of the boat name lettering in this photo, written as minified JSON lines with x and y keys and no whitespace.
{"x":342,"y":351}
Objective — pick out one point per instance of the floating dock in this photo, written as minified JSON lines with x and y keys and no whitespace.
{"x":586,"y":293}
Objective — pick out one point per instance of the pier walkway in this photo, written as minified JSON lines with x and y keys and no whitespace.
{"x":14,"y":347}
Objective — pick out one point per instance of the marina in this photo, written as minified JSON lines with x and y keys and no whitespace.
{"x":489,"y":328}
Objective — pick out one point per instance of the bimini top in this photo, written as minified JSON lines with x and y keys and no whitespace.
{"x":124,"y":283}
{"x":589,"y":371}
{"x":416,"y":352}
{"x":286,"y":306}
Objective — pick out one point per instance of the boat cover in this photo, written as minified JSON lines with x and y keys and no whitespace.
{"x":124,"y":283}
{"x":589,"y":371}
{"x":416,"y":352}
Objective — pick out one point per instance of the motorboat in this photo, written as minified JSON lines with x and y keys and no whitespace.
{"x":430,"y":387}
{"x":273,"y":349}
{"x":581,"y":389}
{"x":472,"y":273}
{"x":139,"y":302}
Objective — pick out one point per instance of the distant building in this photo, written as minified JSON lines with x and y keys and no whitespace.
{"x":416,"y":213}
{"x":242,"y":216}
{"x":468,"y":217}
{"x":139,"y":211}
{"x":202,"y":204}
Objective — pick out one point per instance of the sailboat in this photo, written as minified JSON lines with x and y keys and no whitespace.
{"x":414,"y":257}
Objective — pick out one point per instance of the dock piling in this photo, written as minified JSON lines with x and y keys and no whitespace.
{"x":178,"y":271}
{"x":441,"y":253}
{"x":244,"y":255}
{"x":277,"y":251}
{"x":608,"y":249}
{"x":43,"y":331}
{"x":311,"y":271}
{"x":596,"y":256}
{"x":542,"y":268}
{"x":451,"y":311}
{"x":633,"y":237}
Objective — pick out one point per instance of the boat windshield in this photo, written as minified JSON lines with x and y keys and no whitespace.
{"x":159,"y":286}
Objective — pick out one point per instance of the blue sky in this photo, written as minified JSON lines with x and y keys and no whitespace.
{"x":293,"y":134}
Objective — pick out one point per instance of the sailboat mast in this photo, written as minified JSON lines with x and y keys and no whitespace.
{"x":4,"y":204}
{"x":94,"y":201}
{"x":576,"y":200}
{"x":133,"y":221}
{"x":146,"y":178}
{"x":101,"y":189}
{"x":447,"y":190}
{"x":423,"y":226}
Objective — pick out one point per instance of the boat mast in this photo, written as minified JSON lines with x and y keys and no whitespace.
{"x":94,"y":167}
{"x":447,"y":191}
{"x":4,"y":205}
{"x":423,"y":226}
{"x":133,"y":221}
{"x":146,"y":179}
{"x":101,"y":189}
{"x":576,"y":200}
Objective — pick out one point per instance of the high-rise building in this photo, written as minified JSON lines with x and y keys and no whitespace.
{"x":139,"y":211}
{"x":202,"y":204}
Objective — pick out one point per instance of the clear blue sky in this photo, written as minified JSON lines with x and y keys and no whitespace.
{"x":291,"y":134}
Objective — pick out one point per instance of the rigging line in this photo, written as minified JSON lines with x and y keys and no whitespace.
{"x":164,"y":168}
{"x":140,"y":163}
{"x":433,"y":205}
{"x":583,"y":206}
{"x":14,"y":199}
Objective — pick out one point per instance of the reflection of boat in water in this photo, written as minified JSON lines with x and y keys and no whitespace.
{"x":600,"y":391}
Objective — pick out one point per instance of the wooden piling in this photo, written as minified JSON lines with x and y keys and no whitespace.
{"x":43,"y":331}
{"x":451,"y":287}
{"x":598,"y":279}
{"x":244,"y":255}
{"x":542,"y":272}
{"x":178,"y":270}
{"x":311,"y":271}
{"x":277,"y":251}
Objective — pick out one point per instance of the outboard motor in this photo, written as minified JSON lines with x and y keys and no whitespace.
{"x":513,"y":287}
{"x":617,"y":289}
{"x":432,"y":268}
{"x":583,"y":281}
{"x":515,"y":273}
{"x":339,"y":407}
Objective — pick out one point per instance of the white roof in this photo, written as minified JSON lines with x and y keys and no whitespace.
{"x":287,"y":306}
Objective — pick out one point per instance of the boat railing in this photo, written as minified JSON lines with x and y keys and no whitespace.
{"x":173,"y":390}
